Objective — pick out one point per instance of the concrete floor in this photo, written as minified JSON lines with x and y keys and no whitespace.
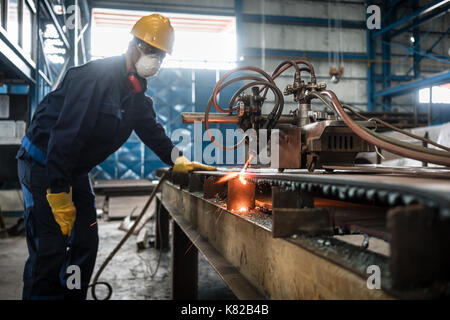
{"x":129,"y":272}
{"x":13,"y":253}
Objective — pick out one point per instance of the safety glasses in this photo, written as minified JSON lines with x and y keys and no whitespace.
{"x":145,"y":48}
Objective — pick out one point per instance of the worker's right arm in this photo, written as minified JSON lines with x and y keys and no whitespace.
{"x":152,"y":133}
{"x":82,"y":96}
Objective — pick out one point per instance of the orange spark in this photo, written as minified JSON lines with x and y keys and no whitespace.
{"x":228,"y":177}
{"x":233,"y":175}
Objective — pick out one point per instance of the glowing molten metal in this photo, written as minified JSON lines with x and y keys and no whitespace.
{"x":241,"y":193}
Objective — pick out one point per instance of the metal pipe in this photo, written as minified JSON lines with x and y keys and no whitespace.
{"x":221,"y":118}
{"x":61,"y":73}
{"x":75,"y":34}
{"x":191,"y":117}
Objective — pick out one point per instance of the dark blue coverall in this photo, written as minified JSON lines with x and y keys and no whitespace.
{"x":76,"y":127}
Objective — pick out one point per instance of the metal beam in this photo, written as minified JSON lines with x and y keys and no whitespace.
{"x":379,"y":77}
{"x":242,"y":243}
{"x":231,"y":276}
{"x":412,"y":50}
{"x":393,"y":3}
{"x":184,"y":279}
{"x":301,"y":21}
{"x":441,"y":5}
{"x":371,"y":53}
{"x":15,"y":88}
{"x":417,"y":41}
{"x":407,"y":87}
{"x":423,"y":20}
{"x":430,"y":50}
{"x":386,"y":54}
{"x":12,"y":56}
{"x":164,"y":7}
{"x":55,"y":21}
{"x":301,"y":53}
{"x":40,"y":47}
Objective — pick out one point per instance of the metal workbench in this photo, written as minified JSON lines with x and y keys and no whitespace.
{"x":272,"y":255}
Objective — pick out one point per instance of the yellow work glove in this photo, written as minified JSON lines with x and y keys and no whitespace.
{"x":63,"y":210}
{"x":182,"y":164}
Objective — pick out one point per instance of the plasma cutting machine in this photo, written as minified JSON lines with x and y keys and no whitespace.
{"x":307,"y":139}
{"x":309,"y":235}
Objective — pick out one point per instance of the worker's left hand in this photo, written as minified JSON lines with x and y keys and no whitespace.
{"x":182,"y":164}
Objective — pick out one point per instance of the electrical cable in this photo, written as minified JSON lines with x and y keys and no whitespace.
{"x":158,"y":214}
{"x":95,"y":281}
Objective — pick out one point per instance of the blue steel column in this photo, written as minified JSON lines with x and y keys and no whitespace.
{"x":416,"y":35}
{"x":370,"y":44}
{"x":386,"y":53}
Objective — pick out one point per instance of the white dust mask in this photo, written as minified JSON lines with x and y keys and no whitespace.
{"x":148,"y":64}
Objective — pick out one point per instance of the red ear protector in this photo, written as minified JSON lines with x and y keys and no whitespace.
{"x":135,"y":83}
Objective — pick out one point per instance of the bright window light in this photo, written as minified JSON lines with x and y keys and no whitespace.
{"x":441,"y":94}
{"x":53,"y":46}
{"x":201,"y":41}
{"x":424,"y":95}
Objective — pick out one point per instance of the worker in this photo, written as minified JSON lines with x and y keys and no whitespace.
{"x":75,"y":127}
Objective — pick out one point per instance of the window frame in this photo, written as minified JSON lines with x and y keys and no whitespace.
{"x":30,"y":5}
{"x":3,"y":13}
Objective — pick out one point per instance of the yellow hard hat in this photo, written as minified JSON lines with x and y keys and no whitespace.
{"x":156,"y":30}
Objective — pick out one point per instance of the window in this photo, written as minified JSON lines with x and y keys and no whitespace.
{"x":27,"y":29}
{"x":53,"y":46}
{"x":201,"y":41}
{"x":12,"y":25}
{"x":441,"y":94}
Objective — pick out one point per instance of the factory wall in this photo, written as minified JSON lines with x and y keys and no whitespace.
{"x":328,"y":39}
